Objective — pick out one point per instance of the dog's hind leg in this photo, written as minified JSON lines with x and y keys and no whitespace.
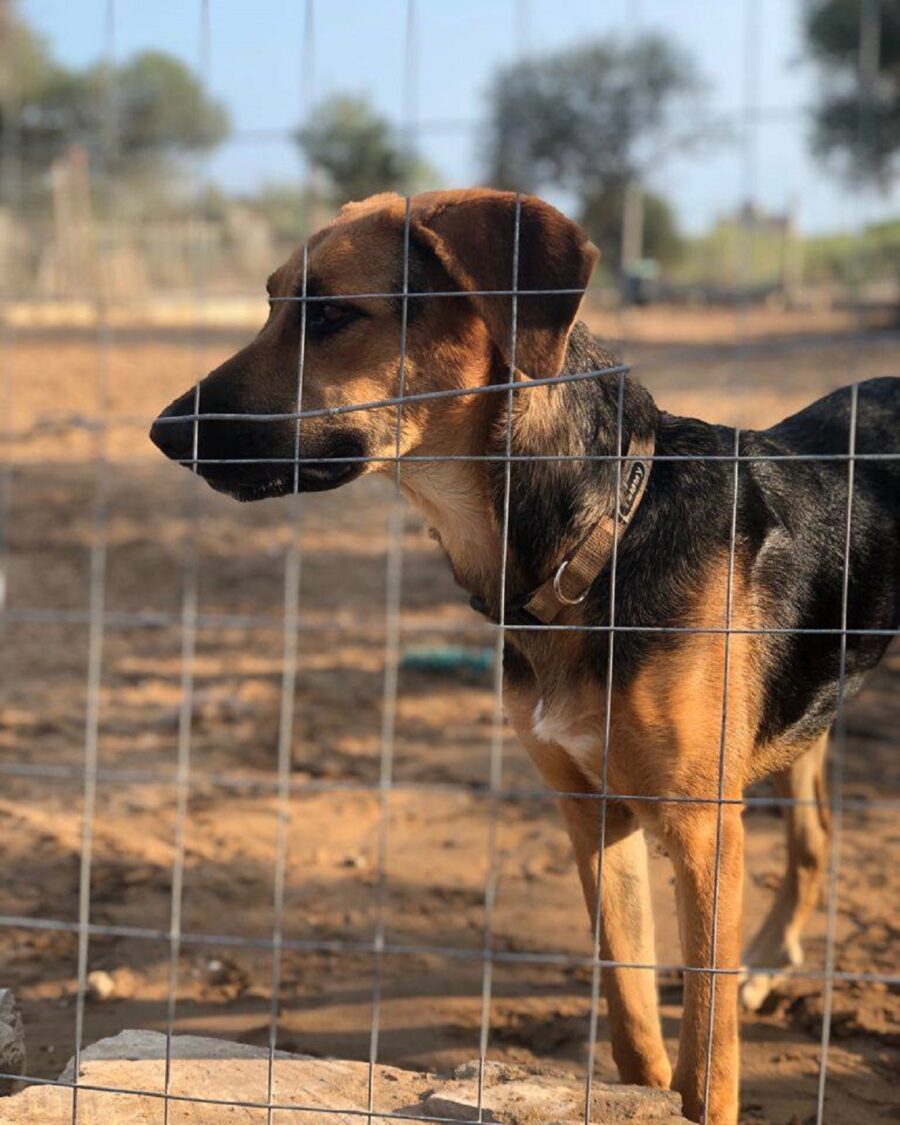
{"x":626,"y":918}
{"x":777,"y":943}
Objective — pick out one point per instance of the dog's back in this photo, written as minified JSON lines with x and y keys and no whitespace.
{"x":823,"y":427}
{"x":804,"y":577}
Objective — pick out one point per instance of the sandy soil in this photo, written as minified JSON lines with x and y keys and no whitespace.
{"x":435,"y":823}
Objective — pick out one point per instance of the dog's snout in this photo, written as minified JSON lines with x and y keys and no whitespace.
{"x":173,"y":430}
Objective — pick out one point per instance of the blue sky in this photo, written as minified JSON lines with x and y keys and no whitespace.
{"x":257,"y":48}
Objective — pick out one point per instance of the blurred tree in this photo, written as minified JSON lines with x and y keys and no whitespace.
{"x":25,"y":61}
{"x":579,"y":118}
{"x":358,"y":151}
{"x":590,"y":120}
{"x":859,"y":118}
{"x":149,"y":109}
{"x":601,"y":217}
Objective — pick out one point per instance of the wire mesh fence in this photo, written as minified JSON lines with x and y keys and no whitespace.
{"x":300,"y":629}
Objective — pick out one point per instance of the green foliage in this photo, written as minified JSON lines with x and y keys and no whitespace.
{"x":601,"y":217}
{"x":25,"y":62}
{"x":853,"y":259}
{"x":582,"y":118}
{"x":735,"y":254}
{"x":857,"y":122}
{"x":767,"y":254}
{"x":149,"y":108}
{"x":358,"y":151}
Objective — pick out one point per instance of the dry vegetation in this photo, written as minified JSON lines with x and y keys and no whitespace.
{"x":438,"y":842}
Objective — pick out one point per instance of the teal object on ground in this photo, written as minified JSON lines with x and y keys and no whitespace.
{"x":450,"y":658}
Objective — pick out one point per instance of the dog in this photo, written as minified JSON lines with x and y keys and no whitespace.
{"x":722,"y":566}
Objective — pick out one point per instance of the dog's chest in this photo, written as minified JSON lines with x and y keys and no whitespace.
{"x":563,"y":723}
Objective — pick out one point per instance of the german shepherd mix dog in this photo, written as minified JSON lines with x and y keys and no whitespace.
{"x":675,"y":717}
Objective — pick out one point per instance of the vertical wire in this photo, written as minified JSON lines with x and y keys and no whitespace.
{"x":635,"y":26}
{"x":393,"y":587}
{"x":523,"y":28}
{"x":604,"y":767}
{"x":291,"y":607}
{"x":189,"y":609}
{"x":97,"y":578}
{"x":868,"y":62}
{"x":497,"y":727}
{"x":291,"y":603}
{"x":752,"y":68}
{"x":837,"y":781}
{"x":292,"y":572}
{"x":11,"y":197}
{"x":720,"y":796}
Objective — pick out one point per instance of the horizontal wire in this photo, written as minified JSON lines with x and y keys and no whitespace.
{"x":197,"y":1099}
{"x":397,"y":400}
{"x":496,"y":458}
{"x":63,"y":771}
{"x":394,"y":295}
{"x":476,"y":954}
{"x":160,"y":619}
{"x":531,"y":458}
{"x":703,"y":630}
{"x":436,"y":458}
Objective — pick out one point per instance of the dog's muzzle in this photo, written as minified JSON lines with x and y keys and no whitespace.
{"x":253,"y":459}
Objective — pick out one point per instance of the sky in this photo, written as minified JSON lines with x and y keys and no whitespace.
{"x":269,"y":63}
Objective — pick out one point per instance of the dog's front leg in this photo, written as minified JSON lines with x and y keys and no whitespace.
{"x":626,"y":919}
{"x":698,"y":848}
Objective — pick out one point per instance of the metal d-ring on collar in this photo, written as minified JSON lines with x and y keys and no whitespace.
{"x":557,"y":589}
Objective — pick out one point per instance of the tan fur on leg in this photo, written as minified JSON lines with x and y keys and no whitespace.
{"x":626,"y":919}
{"x":691,"y":835}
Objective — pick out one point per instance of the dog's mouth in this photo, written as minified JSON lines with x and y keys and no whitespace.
{"x":233,"y":458}
{"x":317,"y":476}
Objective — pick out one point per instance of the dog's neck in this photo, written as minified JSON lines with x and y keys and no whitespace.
{"x":552,"y":503}
{"x":453,"y":495}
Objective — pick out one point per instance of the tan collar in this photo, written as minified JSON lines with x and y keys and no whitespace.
{"x":573,"y":578}
{"x":578,"y":570}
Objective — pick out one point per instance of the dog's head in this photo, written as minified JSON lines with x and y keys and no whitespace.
{"x":335,"y":339}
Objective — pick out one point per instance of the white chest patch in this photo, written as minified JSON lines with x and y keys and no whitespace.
{"x":582,"y":745}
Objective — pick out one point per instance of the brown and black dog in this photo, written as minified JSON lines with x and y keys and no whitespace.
{"x":377,"y":320}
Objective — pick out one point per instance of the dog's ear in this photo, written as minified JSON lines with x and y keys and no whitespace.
{"x":473,"y":234}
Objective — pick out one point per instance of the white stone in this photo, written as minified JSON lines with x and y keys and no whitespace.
{"x":100,"y":985}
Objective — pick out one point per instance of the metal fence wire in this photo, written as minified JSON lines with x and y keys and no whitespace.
{"x":497,"y":794}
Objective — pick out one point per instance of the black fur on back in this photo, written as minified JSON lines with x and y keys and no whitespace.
{"x":790,"y":521}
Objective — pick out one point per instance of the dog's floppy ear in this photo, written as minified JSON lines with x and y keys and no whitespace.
{"x":473,"y":234}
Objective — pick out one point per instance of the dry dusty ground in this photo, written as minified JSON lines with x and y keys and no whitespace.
{"x":437,"y":817}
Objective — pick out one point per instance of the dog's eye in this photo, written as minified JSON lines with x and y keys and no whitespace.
{"x":325,"y":317}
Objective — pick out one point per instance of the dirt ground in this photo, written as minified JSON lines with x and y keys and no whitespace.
{"x":435,"y":822}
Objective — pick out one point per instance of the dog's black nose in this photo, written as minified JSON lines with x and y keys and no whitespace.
{"x":173,"y":433}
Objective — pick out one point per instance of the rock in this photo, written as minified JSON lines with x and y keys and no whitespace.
{"x":12,"y":1040}
{"x":100,"y":985}
{"x":232,"y":1079}
{"x":132,"y":1045}
{"x":523,"y":1095}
